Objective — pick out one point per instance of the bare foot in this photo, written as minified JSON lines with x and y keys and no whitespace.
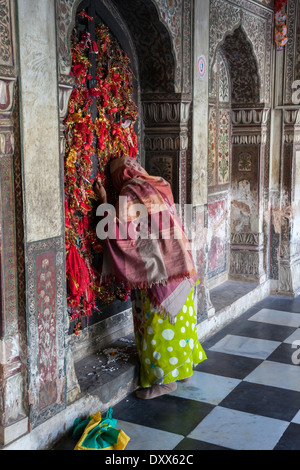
{"x":156,"y":391}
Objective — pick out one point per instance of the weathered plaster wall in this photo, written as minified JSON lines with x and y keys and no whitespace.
{"x":43,"y":208}
{"x":40,"y":135}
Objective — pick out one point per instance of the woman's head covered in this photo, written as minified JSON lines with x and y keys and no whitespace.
{"x":123,"y":170}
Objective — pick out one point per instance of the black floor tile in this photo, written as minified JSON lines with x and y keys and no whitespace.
{"x":273,"y":402}
{"x":194,"y":444}
{"x":228,"y":365}
{"x":285,"y":304}
{"x":167,"y":413}
{"x":290,"y":439}
{"x":255,"y":329}
{"x":284,"y":354}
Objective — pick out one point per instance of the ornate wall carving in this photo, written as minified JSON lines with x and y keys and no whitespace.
{"x":46,"y":324}
{"x":292,"y":50}
{"x":257,"y":23}
{"x":160,"y":32}
{"x":168,"y":19}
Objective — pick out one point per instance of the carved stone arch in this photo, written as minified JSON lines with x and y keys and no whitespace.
{"x":157,"y":63}
{"x":243,"y":66}
{"x":139,"y":27}
{"x":153,"y":43}
{"x":256,"y":22}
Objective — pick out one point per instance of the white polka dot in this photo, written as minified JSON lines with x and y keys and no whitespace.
{"x":191,"y":311}
{"x":173,"y":360}
{"x":168,"y":334}
{"x":182,"y":343}
{"x":188,"y":360}
{"x":147,"y":361}
{"x":193,"y":326}
{"x":156,"y":355}
{"x":170,"y":348}
{"x":144,"y":345}
{"x":153,"y":342}
{"x":182,"y":329}
{"x":184,"y":309}
{"x":191,"y":343}
{"x":150,"y":330}
{"x":181,"y":318}
{"x":160,"y":320}
{"x":187,"y":323}
{"x":200,"y":355}
{"x":158,"y":372}
{"x":175,"y":373}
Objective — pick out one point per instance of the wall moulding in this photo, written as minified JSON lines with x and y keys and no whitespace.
{"x":246,"y":238}
{"x":166,"y":110}
{"x":247,"y":116}
{"x":7,"y":88}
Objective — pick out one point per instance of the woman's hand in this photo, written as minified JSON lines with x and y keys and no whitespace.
{"x":100,"y":191}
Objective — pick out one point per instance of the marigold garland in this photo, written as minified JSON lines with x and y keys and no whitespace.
{"x":110,"y":135}
{"x":281,"y":38}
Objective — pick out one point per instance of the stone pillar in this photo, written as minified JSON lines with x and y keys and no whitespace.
{"x":289,"y":211}
{"x":247,"y":258}
{"x":166,"y":119}
{"x":201,"y":72}
{"x":13,"y":396}
{"x":43,"y":209}
{"x":13,"y":411}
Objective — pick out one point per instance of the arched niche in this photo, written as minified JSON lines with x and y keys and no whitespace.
{"x":141,"y":33}
{"x":239,"y":204}
{"x":249,"y":128}
{"x":145,"y":39}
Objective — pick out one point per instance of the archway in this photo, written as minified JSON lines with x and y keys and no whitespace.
{"x":236,"y":160}
{"x":147,"y":44}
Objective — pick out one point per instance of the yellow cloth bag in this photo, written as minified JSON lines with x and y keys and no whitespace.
{"x":99,"y":434}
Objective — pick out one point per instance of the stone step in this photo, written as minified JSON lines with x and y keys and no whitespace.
{"x":108,"y":376}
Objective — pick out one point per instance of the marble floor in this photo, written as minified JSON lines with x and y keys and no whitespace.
{"x":245,"y":396}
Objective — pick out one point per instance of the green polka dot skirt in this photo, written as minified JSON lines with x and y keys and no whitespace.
{"x":167,"y":351}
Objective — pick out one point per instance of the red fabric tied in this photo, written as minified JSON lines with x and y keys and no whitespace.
{"x":77,"y":274}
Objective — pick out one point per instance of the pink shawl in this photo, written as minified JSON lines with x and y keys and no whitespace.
{"x":163,"y":265}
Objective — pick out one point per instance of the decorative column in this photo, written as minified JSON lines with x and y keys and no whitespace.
{"x":166,"y":119}
{"x":249,"y":133}
{"x":13,"y":391}
{"x":43,"y":209}
{"x":289,"y":247}
{"x":13,"y":410}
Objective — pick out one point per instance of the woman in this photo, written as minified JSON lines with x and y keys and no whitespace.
{"x":154,"y":259}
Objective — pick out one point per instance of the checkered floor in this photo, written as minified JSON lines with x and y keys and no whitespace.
{"x":245,"y":396}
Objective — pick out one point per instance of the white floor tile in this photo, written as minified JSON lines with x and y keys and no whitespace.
{"x":244,"y":346}
{"x":145,"y":438}
{"x":205,"y":387}
{"x":277,"y":317}
{"x":296,"y":418}
{"x":239,"y":430}
{"x":276,"y":374}
{"x":293,"y":337}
